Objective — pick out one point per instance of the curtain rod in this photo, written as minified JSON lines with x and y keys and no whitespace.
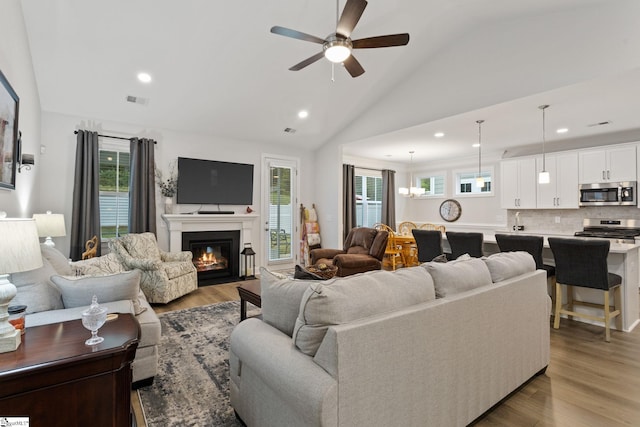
{"x":114,"y":137}
{"x":370,"y":169}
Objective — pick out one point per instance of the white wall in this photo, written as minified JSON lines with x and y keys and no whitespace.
{"x":57,"y":164}
{"x":16,"y":65}
{"x":489,"y":65}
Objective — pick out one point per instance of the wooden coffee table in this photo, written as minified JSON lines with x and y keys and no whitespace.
{"x":55,"y":379}
{"x":249,"y":292}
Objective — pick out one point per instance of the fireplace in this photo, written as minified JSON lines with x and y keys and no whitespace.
{"x":216,"y":255}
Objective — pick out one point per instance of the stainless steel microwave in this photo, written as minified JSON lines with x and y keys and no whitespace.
{"x":609,"y":193}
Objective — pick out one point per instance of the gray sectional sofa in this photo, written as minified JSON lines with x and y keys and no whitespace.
{"x":56,"y":292}
{"x":434,"y":345}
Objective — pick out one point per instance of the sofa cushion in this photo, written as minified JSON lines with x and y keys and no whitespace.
{"x":78,"y":291}
{"x":280,"y":298}
{"x":58,"y":261}
{"x":505,"y":265}
{"x":98,"y":266}
{"x":66,"y":314}
{"x":346,"y":299}
{"x":458,"y":276}
{"x":35,"y":289}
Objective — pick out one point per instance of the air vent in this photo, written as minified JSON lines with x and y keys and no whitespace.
{"x":289,"y":130}
{"x":137,"y":100}
{"x":599,"y":124}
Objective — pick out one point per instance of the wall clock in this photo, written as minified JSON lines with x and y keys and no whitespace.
{"x":450,"y":210}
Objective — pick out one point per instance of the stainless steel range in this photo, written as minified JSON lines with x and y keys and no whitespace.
{"x":617,"y":230}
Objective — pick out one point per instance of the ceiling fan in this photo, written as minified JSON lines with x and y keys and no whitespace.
{"x":337,"y":46}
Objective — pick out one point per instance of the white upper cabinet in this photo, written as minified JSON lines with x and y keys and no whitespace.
{"x":608,"y":165}
{"x":518,"y":183}
{"x":562,"y":190}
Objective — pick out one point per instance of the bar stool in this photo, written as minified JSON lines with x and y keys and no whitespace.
{"x":530,"y":244}
{"x":429,"y":244}
{"x":583,"y":263}
{"x":465,"y":243}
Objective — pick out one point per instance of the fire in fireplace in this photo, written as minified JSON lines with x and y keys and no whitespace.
{"x":216,"y":255}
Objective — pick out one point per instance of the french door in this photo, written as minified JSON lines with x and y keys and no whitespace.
{"x":280,"y":195}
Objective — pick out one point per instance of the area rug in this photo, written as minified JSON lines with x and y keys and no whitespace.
{"x":192,"y":385}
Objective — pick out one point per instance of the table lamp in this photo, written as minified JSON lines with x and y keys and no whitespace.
{"x":50,"y":225}
{"x":19,"y":251}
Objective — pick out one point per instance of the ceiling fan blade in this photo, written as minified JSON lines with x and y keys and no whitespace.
{"x":350,"y":16}
{"x":353,"y":66}
{"x":296,"y":35}
{"x":381,"y":41}
{"x":307,"y":61}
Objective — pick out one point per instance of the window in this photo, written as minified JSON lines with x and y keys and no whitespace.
{"x":368,"y":198}
{"x":466,"y":183}
{"x":433,"y":185}
{"x":114,"y":191}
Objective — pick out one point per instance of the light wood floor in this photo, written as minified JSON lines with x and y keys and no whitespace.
{"x":588,"y":382}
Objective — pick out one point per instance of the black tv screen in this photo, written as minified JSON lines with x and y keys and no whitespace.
{"x":211,"y":182}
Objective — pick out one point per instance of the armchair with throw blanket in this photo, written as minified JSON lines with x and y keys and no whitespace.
{"x":362,"y":251}
{"x":165,"y":275}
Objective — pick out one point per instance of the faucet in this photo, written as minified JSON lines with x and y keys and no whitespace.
{"x":517,"y":221}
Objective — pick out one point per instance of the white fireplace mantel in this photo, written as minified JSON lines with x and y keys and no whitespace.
{"x":179,"y":223}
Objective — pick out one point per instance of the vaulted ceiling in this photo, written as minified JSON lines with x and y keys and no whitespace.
{"x":218,"y":70}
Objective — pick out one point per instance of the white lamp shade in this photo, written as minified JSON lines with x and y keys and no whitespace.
{"x":416,"y":191}
{"x":479,"y":182}
{"x":50,"y":225}
{"x":544,"y":178}
{"x":19,"y":245}
{"x":403,"y":190}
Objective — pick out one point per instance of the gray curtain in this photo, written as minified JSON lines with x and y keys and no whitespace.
{"x":349,"y":193}
{"x":142,"y":187}
{"x":388,"y":198}
{"x":85,"y":215}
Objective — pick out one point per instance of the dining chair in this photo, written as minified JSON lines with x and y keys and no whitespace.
{"x":405,"y":228}
{"x":465,"y":243}
{"x":429,"y":243}
{"x":583,"y":263}
{"x":393,"y":251}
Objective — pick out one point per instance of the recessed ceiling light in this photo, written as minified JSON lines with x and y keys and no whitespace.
{"x":144,"y":77}
{"x":562,"y":130}
{"x":438,"y":134}
{"x":476,"y":145}
{"x":303,"y":114}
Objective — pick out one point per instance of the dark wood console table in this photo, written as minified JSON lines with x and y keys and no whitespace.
{"x":56,"y":380}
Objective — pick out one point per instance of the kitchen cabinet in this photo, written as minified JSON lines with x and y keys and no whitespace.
{"x":518,"y":182}
{"x":607,"y":165}
{"x":562,"y":190}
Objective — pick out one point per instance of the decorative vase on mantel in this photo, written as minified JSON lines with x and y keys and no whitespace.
{"x":168,"y":205}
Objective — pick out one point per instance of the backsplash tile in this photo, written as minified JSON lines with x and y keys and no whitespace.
{"x":543,"y":221}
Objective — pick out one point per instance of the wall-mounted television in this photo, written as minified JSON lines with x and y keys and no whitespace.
{"x":210,"y":182}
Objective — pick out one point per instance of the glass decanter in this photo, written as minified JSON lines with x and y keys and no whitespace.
{"x":93,"y":318}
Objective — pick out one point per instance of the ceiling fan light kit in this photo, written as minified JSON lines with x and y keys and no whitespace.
{"x":338,"y":46}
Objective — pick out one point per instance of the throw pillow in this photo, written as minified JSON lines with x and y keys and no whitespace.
{"x":505,"y":265}
{"x":98,"y":266}
{"x":345,"y":299}
{"x":58,"y":261}
{"x":280,"y":298}
{"x":458,"y":276}
{"x":35,"y":289}
{"x":440,"y":258}
{"x":78,"y":291}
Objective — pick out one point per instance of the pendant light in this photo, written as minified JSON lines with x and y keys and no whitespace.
{"x":479,"y":178}
{"x":543,"y":176}
{"x":412,"y":191}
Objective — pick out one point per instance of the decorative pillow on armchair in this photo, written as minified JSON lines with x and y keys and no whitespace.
{"x":78,"y":291}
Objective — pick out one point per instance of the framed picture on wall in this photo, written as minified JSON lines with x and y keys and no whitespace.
{"x":9,"y":150}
